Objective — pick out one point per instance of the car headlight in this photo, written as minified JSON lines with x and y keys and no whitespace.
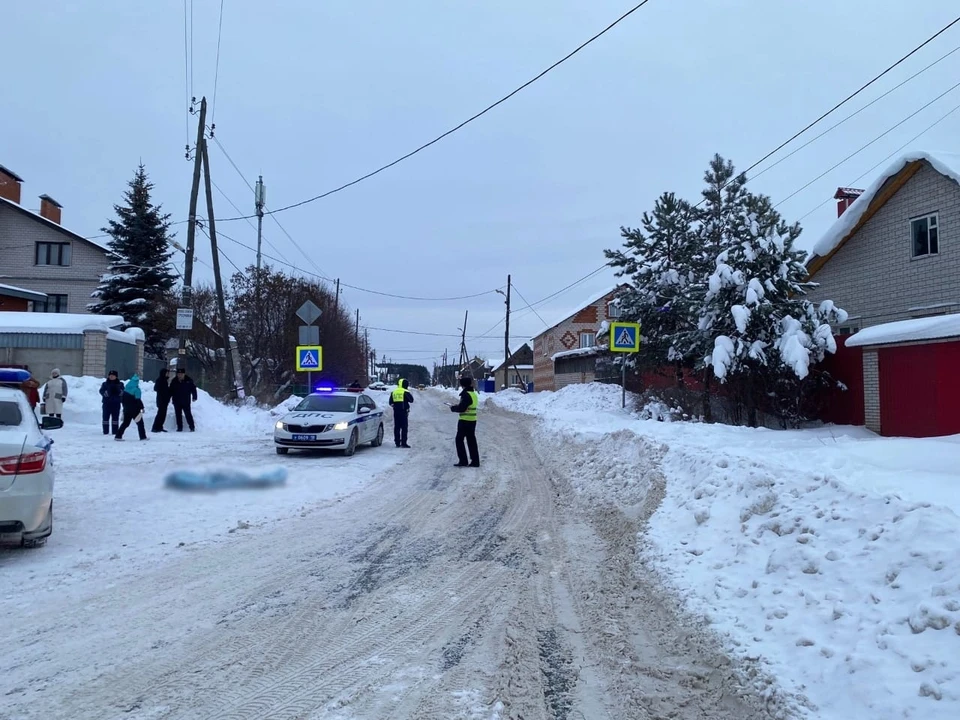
{"x":281,"y":425}
{"x":341,"y":426}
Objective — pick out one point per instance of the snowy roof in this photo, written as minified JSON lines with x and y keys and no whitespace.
{"x":56,"y":226}
{"x":56,"y":323}
{"x":498,"y":361}
{"x":929,"y":328}
{"x":13,"y":291}
{"x":594,"y":298}
{"x":576,"y":352}
{"x":947,"y":164}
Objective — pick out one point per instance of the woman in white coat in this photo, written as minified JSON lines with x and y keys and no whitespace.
{"x":54,"y":393}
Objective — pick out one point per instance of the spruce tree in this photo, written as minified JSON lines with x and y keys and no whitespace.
{"x":140,"y":276}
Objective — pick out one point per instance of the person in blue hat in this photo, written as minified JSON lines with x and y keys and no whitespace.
{"x":132,"y":408}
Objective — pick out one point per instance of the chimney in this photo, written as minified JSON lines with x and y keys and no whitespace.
{"x":10,"y":185}
{"x":50,"y":209}
{"x":845,"y":197}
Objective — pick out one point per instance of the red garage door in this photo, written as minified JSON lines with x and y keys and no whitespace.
{"x":920,"y":390}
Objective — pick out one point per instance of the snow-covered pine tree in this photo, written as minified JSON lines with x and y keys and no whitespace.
{"x":658,"y":261}
{"x":139,"y":275}
{"x":760,"y":330}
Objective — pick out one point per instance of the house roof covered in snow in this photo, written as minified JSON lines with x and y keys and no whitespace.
{"x":497,"y":362}
{"x":576,"y":352}
{"x":57,"y":323}
{"x":874,"y":198}
{"x":22,"y":293}
{"x":4,"y":202}
{"x":928,"y":328}
{"x":593,"y":299}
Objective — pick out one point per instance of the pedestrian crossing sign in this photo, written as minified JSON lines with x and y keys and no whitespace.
{"x":309,"y":358}
{"x":624,"y":337}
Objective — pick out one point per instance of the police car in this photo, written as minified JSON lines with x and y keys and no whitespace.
{"x":330,"y":419}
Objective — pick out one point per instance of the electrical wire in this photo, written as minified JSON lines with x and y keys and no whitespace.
{"x":216,"y":74}
{"x":864,"y":147}
{"x":854,"y":114}
{"x":890,"y":156}
{"x":847,"y":99}
{"x":191,"y":49}
{"x":529,"y":305}
{"x":466,"y":122}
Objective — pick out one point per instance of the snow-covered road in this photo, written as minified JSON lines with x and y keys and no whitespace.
{"x":430,"y":592}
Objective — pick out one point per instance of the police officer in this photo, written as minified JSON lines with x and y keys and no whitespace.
{"x":467,"y":425}
{"x":400,"y":399}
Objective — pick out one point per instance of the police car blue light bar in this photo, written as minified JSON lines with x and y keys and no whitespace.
{"x":13,"y":375}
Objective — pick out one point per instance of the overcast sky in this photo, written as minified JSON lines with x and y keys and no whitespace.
{"x":314,"y":94}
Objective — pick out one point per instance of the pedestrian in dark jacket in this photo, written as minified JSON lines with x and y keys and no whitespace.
{"x":400,"y":400}
{"x":162,"y":388}
{"x":183,"y":391}
{"x":111,"y":392}
{"x":132,"y":409}
{"x":467,"y":425}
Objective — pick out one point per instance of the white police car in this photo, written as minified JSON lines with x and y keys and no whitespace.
{"x":330,"y":419}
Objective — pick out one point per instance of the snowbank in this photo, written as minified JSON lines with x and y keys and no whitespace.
{"x":831,"y":556}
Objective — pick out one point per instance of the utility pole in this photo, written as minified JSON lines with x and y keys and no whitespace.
{"x":186,"y":296}
{"x":356,"y":329}
{"x":336,"y":299}
{"x":506,"y":341}
{"x":221,"y":301}
{"x":259,"y":201}
{"x":464,"y":357}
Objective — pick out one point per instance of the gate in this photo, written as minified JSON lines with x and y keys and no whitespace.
{"x":121,"y":357}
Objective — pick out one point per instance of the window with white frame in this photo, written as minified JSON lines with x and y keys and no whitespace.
{"x":925,"y":235}
{"x":588,"y":339}
{"x":613,"y":309}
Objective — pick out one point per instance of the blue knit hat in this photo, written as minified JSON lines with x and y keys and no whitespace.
{"x":133,"y":386}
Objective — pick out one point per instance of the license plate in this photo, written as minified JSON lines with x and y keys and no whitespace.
{"x":305,"y":438}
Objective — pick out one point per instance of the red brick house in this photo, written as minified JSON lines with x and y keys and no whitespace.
{"x":577,"y":330}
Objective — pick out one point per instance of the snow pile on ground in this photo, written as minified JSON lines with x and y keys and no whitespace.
{"x":831,"y":557}
{"x":114,"y":515}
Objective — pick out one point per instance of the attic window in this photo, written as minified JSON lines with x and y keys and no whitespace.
{"x":613,"y":309}
{"x":925,"y":235}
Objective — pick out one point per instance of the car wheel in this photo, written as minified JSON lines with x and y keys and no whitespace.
{"x":378,"y":440}
{"x":351,"y":447}
{"x":282,"y":451}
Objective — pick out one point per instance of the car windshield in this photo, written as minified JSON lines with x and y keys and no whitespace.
{"x":10,"y":414}
{"x":327,"y":403}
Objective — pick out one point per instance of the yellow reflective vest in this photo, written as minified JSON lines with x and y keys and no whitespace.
{"x":399,"y":393}
{"x":470,"y":414}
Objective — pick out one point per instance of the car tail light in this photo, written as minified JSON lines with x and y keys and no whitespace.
{"x":23,"y":464}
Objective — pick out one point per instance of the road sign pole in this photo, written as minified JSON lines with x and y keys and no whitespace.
{"x":309,"y":382}
{"x":623,"y":383}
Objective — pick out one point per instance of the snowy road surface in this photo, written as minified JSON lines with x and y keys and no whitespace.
{"x":431,"y":592}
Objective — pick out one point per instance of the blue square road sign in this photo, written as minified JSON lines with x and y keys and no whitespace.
{"x":309,"y":358}
{"x":624,"y":337}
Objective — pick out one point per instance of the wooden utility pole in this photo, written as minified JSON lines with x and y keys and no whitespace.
{"x":464,"y":357}
{"x":336,"y":299}
{"x":259,"y":202}
{"x":221,"y":300}
{"x":506,"y":341}
{"x":186,"y":295}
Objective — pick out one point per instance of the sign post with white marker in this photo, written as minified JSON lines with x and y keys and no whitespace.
{"x":309,"y":342}
{"x":624,"y":338}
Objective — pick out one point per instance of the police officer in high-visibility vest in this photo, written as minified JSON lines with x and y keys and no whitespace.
{"x":467,"y":426}
{"x":400,"y":400}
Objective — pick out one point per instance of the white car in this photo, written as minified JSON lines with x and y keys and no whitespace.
{"x":26,"y":471}
{"x":330,"y":419}
{"x":378,"y":386}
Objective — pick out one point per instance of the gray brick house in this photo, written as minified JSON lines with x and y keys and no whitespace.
{"x":38,"y":254}
{"x":894,"y":253}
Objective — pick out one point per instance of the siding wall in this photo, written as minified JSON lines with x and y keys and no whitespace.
{"x":874,"y":276}
{"x":18,"y":237}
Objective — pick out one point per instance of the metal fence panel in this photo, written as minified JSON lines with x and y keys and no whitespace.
{"x":121,"y":357}
{"x":41,"y":341}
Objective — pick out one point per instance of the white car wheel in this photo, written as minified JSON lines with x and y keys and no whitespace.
{"x":378,"y":440}
{"x":351,"y":447}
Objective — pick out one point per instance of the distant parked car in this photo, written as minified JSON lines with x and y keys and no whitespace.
{"x":26,"y":470}
{"x":378,"y":386}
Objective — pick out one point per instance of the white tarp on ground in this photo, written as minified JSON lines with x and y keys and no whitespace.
{"x":929,"y":328}
{"x":831,"y":555}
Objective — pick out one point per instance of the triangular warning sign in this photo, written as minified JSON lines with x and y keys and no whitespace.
{"x":625,"y":338}
{"x":308,"y":359}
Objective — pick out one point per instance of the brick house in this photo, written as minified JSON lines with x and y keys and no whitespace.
{"x":39,"y":255}
{"x":892,"y":261}
{"x":576,"y":331}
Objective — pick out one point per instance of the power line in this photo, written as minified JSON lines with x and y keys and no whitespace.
{"x":854,"y":114}
{"x":864,"y":147}
{"x":850,"y":97}
{"x":191,"y":49}
{"x":890,"y":156}
{"x":466,"y":122}
{"x":216,"y":74}
{"x":528,"y":304}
